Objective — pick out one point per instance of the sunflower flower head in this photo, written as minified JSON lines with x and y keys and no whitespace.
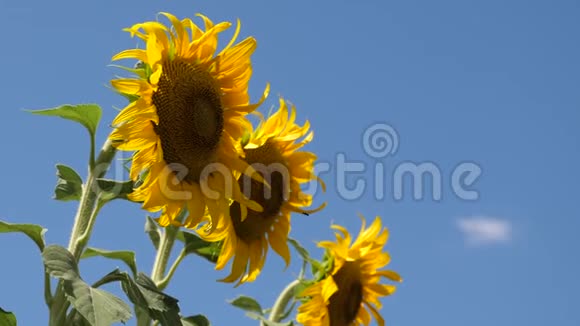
{"x":185,"y":120}
{"x":273,"y":151}
{"x":350,"y":293}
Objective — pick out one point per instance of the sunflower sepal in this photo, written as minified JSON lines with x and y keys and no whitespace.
{"x":245,"y":138}
{"x":114,"y":189}
{"x":300,"y":288}
{"x":139,"y":69}
{"x":324,"y":268}
{"x":317,"y":268}
{"x":130,"y":97}
{"x":195,"y":245}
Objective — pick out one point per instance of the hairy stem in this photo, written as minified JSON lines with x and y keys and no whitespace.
{"x":82,"y":227}
{"x":285,"y":297}
{"x":165,"y":281}
{"x":163,"y":253}
{"x":89,"y":198}
{"x":160,"y":265}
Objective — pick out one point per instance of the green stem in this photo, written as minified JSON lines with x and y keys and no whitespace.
{"x":92,"y":154}
{"x":165,"y":281}
{"x":89,"y":198}
{"x":163,"y":253}
{"x":283,"y":300}
{"x":83,"y":239}
{"x":47,"y":289}
{"x":142,"y":317}
{"x":84,"y":220}
{"x":160,"y":265}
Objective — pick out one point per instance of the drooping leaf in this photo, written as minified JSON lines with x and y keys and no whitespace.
{"x":69,"y":185}
{"x":98,"y":307}
{"x":113,"y":189}
{"x":159,"y":305}
{"x":33,"y":231}
{"x":247,"y":304}
{"x":128,"y":257}
{"x":88,"y":115}
{"x":60,"y":263}
{"x":143,"y":293}
{"x":200,"y":247}
{"x":7,"y":318}
{"x":197,"y":320}
{"x":152,"y":230}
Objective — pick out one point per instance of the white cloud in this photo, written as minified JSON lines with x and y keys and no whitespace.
{"x":481,"y":231}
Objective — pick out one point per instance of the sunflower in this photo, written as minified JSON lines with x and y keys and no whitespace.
{"x":353,"y":287}
{"x":273,"y":151}
{"x":187,"y":115}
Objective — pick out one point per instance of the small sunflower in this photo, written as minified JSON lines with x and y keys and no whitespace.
{"x":187,"y":115}
{"x":273,"y":151}
{"x":353,"y":287}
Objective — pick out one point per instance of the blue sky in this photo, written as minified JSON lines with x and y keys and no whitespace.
{"x":494,"y":83}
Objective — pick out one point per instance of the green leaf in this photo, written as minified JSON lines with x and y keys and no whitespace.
{"x":197,"y":320}
{"x":200,"y":247}
{"x":7,"y":318}
{"x":143,"y":293}
{"x":98,"y":307}
{"x":300,"y":249}
{"x":316,"y":265}
{"x":69,"y":185}
{"x":60,"y":263}
{"x":113,"y":189}
{"x":248,"y":304}
{"x":76,"y":319}
{"x":152,"y":230}
{"x":128,"y":257}
{"x":86,"y":114}
{"x":33,"y":231}
{"x":159,"y":305}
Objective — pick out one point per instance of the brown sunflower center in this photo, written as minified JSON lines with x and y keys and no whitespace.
{"x":191,"y":120}
{"x":265,"y":159}
{"x":345,"y":303}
